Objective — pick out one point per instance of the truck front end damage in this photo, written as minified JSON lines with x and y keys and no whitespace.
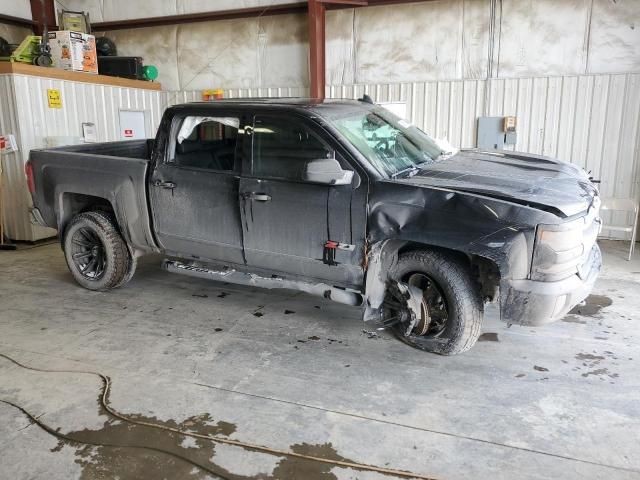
{"x":565,"y":264}
{"x":535,"y":269}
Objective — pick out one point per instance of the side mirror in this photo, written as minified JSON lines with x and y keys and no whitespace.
{"x":327,"y":171}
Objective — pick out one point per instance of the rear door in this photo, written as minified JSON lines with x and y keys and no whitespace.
{"x":293,"y":226}
{"x":194,"y":189}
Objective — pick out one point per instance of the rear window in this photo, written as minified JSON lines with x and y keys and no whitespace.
{"x":207,"y":143}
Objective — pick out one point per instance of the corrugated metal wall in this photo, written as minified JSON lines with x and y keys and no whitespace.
{"x":24,"y":112}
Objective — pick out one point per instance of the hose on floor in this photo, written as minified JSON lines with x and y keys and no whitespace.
{"x":104,"y":401}
{"x":67,"y":438}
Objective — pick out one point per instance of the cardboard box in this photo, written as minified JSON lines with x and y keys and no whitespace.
{"x":73,"y":51}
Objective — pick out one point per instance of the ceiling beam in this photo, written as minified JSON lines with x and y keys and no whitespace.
{"x":17,"y":21}
{"x":250,"y":12}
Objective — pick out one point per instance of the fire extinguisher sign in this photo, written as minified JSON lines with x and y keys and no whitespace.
{"x":128,"y":132}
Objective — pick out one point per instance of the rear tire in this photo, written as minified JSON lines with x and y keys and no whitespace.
{"x":451,"y":280}
{"x":96,"y":253}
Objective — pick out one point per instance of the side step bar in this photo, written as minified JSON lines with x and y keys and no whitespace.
{"x":233,"y":276}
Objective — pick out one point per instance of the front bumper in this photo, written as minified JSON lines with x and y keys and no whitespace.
{"x":528,"y":302}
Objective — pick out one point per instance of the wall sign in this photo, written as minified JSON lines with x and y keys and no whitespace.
{"x":89,"y":132}
{"x":8,"y":143}
{"x":54,"y":97}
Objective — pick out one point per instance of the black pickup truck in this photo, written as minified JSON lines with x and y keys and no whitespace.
{"x":337,"y":198}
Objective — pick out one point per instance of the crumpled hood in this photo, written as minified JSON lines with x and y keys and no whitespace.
{"x":539,"y":181}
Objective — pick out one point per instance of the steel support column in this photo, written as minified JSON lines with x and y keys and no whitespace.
{"x":43,"y":13}
{"x":316,"y":49}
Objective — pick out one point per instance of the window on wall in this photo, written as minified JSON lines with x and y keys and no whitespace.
{"x":207,"y":142}
{"x":281,"y":149}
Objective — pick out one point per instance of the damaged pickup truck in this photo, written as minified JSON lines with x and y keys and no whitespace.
{"x":340,"y":199}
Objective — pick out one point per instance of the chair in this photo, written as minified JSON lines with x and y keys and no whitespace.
{"x":623,"y":205}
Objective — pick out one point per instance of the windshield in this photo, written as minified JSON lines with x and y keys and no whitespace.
{"x":393,"y":146}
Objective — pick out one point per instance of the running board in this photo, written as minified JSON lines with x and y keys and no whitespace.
{"x":233,"y":276}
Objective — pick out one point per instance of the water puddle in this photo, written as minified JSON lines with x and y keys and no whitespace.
{"x":488,"y":337}
{"x":592,"y":306}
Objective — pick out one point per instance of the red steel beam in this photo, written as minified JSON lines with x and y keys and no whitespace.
{"x":43,"y":13}
{"x":250,"y":12}
{"x":316,"y":49}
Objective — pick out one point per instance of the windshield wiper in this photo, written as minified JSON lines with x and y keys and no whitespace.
{"x":408,"y":170}
{"x":412,"y":170}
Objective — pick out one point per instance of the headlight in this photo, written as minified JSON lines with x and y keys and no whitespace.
{"x":558,"y":251}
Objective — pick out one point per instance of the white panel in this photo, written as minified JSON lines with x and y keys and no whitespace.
{"x":16,"y":8}
{"x":614,"y":36}
{"x":542,"y":37}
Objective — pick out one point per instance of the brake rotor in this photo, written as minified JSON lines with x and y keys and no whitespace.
{"x":422,"y":324}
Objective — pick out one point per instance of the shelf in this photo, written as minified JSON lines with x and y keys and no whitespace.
{"x":26,"y":69}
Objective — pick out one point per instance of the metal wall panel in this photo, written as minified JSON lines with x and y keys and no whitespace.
{"x":25,"y":113}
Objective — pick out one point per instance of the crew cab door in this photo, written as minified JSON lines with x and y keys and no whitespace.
{"x":194,"y":188}
{"x":293,"y":226}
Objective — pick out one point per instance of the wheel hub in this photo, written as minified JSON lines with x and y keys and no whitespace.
{"x":426,"y":317}
{"x":88,"y":254}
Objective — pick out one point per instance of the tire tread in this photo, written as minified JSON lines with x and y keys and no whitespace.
{"x":464,"y":294}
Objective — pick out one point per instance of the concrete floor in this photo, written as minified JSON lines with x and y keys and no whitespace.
{"x":295,"y":373}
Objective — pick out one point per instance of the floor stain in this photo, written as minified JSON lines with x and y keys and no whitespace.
{"x":540,"y":369}
{"x":258,"y":314}
{"x":125,"y":450}
{"x":573,"y":319}
{"x":592,"y":306}
{"x":488,"y":337}
{"x":222,"y":294}
{"x":601,"y":371}
{"x":314,"y":337}
{"x":288,"y":312}
{"x":589,"y":356}
{"x":292,"y":467}
{"x":200,"y":295}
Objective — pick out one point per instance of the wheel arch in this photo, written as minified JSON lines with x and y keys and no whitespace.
{"x":72,"y":204}
{"x":485,"y":270}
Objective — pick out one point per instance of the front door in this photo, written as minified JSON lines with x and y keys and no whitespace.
{"x":194,"y":190}
{"x":293,"y":226}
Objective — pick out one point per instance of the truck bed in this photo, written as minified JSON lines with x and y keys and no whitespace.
{"x":66,"y":177}
{"x":140,"y":149}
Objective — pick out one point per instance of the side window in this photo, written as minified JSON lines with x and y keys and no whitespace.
{"x":207,"y":142}
{"x":282,"y":149}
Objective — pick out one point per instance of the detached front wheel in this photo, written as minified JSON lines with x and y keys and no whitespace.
{"x":96,"y":253}
{"x":451,"y":307}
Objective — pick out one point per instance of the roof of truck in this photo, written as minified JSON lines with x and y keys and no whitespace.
{"x":326,"y":108}
{"x":297,"y":101}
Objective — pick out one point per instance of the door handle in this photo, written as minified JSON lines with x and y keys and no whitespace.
{"x":161,"y":184}
{"x":259,"y":197}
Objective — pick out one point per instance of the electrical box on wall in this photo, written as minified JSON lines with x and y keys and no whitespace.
{"x":496,"y":132}
{"x":133,"y":125}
